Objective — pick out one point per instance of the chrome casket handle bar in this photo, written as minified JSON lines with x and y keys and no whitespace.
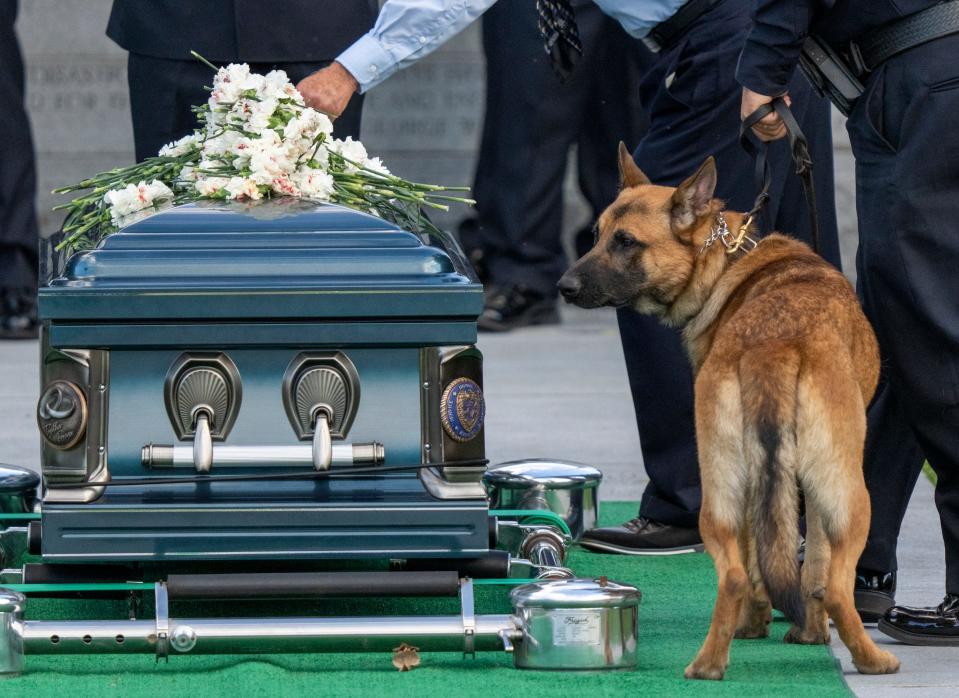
{"x":225,"y":456}
{"x":322,"y":442}
{"x":202,"y":444}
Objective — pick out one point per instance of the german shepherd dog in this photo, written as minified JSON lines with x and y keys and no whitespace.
{"x":785,"y":364}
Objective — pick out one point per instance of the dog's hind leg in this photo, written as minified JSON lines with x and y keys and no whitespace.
{"x":757,"y":611}
{"x":815,"y":572}
{"x":724,"y":478}
{"x":722,"y":544}
{"x":847,"y":545}
{"x":832,"y":431}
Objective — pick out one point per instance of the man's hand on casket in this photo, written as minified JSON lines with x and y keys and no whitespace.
{"x":329,"y":89}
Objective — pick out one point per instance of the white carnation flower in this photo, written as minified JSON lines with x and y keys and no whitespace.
{"x":376,"y":165}
{"x":242,"y":188}
{"x":136,"y":197}
{"x":275,"y":84}
{"x":350,"y":150}
{"x":285,"y":186}
{"x":187,"y":174}
{"x":226,"y":143}
{"x":210,"y":186}
{"x":179,"y":147}
{"x":269,"y":158}
{"x":314,"y":184}
{"x":228,"y":83}
{"x":311,"y":123}
{"x":260,"y":114}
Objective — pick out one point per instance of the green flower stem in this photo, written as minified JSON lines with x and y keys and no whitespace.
{"x":204,"y":61}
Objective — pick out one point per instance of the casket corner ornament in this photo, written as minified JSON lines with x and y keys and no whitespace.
{"x":462,"y":409}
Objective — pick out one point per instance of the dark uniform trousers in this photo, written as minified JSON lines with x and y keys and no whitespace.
{"x":531,"y":121}
{"x":18,"y":221}
{"x":692,"y":101}
{"x":906,"y":144}
{"x":298,"y":36}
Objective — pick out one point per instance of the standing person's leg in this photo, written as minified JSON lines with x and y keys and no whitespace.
{"x":18,"y":223}
{"x":692,"y":98}
{"x":613,"y":113}
{"x":892,"y":462}
{"x":162,"y":92}
{"x":531,"y":120}
{"x":906,"y":183}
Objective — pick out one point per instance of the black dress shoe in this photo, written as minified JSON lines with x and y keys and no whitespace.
{"x":875,"y":594}
{"x":640,"y":536}
{"x":509,"y":307}
{"x":924,"y":626}
{"x":18,"y":315}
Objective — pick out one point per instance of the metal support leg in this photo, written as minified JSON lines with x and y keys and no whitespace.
{"x":11,"y":639}
{"x":469,"y":617}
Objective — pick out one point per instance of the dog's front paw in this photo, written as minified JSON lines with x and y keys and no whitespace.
{"x":703,"y":671}
{"x":881,"y":662}
{"x":797,"y":636}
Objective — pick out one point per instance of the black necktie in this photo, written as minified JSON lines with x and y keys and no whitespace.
{"x":557,"y":24}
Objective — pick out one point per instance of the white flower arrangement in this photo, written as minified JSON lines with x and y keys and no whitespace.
{"x":256,"y":139}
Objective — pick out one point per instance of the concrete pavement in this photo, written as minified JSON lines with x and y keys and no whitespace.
{"x":561,"y":392}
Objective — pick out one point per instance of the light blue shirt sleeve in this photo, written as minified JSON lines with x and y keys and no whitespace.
{"x":639,"y":16}
{"x":407,"y":30}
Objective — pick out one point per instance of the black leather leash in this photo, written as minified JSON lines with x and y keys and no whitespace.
{"x":800,"y":153}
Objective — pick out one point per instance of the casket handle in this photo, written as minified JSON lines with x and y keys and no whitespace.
{"x":202,"y":443}
{"x":322,"y":440}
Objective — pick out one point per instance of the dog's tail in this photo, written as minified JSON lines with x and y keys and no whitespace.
{"x":769,"y":385}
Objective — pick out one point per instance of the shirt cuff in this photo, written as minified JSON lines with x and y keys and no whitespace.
{"x":764,"y":70}
{"x":367,"y":61}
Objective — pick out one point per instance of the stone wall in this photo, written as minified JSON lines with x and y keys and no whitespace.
{"x":424,"y":122}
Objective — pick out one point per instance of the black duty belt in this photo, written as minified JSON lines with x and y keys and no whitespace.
{"x":664,"y":34}
{"x":838,"y":75}
{"x":924,"y":26}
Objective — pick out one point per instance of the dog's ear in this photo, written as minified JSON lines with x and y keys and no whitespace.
{"x":692,"y":198}
{"x":629,"y":173}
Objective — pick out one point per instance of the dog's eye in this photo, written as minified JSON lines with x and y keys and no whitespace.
{"x":626,"y":241}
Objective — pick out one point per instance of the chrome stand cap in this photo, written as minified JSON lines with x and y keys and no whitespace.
{"x":552,"y":473}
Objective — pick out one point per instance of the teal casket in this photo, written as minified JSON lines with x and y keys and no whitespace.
{"x":220,"y":339}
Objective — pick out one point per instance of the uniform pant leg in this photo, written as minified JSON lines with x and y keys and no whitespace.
{"x":907,"y":182}
{"x":892,"y":462}
{"x":162,"y":92}
{"x":613,"y":113}
{"x":18,"y":222}
{"x":531,"y":120}
{"x":692,"y":100}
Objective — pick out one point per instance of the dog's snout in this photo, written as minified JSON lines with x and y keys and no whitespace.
{"x":569,"y":286}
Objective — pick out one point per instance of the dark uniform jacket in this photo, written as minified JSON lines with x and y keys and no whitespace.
{"x":252,"y":31}
{"x":771,"y":51}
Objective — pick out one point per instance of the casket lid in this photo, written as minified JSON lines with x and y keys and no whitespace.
{"x":270,"y":259}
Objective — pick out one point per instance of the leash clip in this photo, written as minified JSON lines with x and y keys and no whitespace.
{"x":732,"y":243}
{"x":742,"y":238}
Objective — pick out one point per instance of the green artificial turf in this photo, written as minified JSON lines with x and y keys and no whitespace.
{"x":677,"y":600}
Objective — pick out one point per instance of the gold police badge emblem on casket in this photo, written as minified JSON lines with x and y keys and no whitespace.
{"x":462,"y":409}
